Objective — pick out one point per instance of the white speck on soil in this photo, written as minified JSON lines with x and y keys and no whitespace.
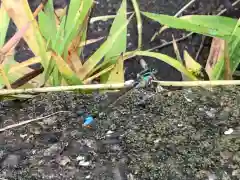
{"x":88,"y":176}
{"x":109,"y":133}
{"x":23,"y":136}
{"x":188,"y":99}
{"x":229,"y":131}
{"x":84,"y":163}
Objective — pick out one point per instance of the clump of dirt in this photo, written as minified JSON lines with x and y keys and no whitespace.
{"x":188,"y":134}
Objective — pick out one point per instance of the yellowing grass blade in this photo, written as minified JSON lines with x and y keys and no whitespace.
{"x":117,"y":74}
{"x":105,"y":70}
{"x":66,"y":71}
{"x":90,"y":41}
{"x":4,"y":77}
{"x":191,"y":64}
{"x":16,"y":70}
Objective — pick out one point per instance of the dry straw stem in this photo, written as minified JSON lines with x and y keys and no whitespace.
{"x":198,"y":83}
{"x":66,"y":88}
{"x":30,"y":120}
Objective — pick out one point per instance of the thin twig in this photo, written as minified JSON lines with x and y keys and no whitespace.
{"x":197,"y":83}
{"x":170,"y":42}
{"x":184,"y":8}
{"x":30,"y":120}
{"x":200,"y":48}
{"x":224,"y":10}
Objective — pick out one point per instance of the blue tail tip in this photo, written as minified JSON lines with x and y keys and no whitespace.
{"x":88,"y":120}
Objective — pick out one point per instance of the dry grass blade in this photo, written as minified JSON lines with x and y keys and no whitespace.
{"x":90,"y":41}
{"x":127,"y":84}
{"x":39,"y":8}
{"x":26,"y":78}
{"x":215,"y":55}
{"x":30,"y":120}
{"x":105,"y":70}
{"x":23,"y":64}
{"x":14,"y":40}
{"x":227,"y":72}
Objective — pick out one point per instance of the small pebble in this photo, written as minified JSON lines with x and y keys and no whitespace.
{"x":229,"y":131}
{"x":84,"y":163}
{"x":109,"y":133}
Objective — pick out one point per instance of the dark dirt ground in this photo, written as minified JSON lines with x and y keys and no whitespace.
{"x":179,"y":135}
{"x":99,"y":29}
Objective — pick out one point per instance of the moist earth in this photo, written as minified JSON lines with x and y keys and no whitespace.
{"x":187,"y":134}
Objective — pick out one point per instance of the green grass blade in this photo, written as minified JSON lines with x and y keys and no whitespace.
{"x":49,"y":11}
{"x":58,"y":40}
{"x":4,"y":22}
{"x":72,"y":29}
{"x":47,"y":19}
{"x":171,"y":61}
{"x":120,"y":44}
{"x":234,"y":55}
{"x":73,"y":10}
{"x":101,"y":52}
{"x":214,"y":26}
{"x":139,"y":22}
{"x":43,"y":21}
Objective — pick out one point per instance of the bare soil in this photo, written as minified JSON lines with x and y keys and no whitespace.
{"x":188,"y":134}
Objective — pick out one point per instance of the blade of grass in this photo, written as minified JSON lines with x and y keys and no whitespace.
{"x":176,"y":50}
{"x":75,"y":21}
{"x":176,"y":15}
{"x":172,"y":62}
{"x":23,"y":64}
{"x":4,"y":22}
{"x":234,"y":46}
{"x":105,"y":70}
{"x":66,"y":71}
{"x":214,"y":26}
{"x":100,"y":53}
{"x":120,"y":44}
{"x":104,"y":18}
{"x":139,"y":22}
{"x":117,"y":73}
